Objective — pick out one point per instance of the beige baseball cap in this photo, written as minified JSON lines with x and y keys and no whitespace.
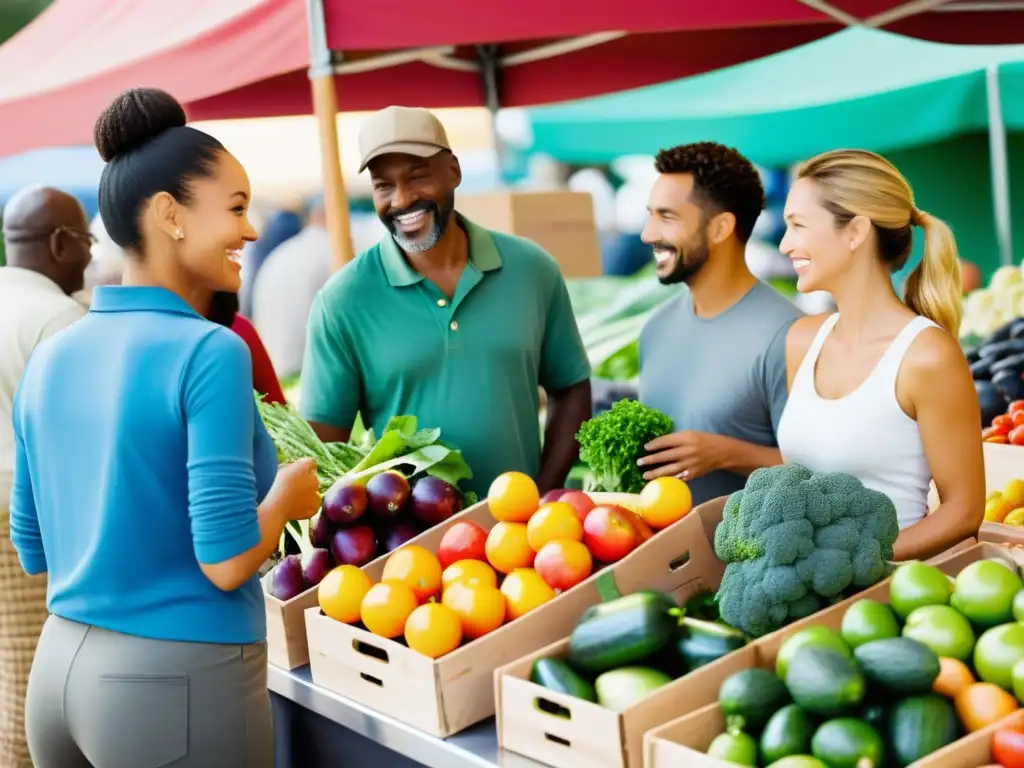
{"x":405,"y":130}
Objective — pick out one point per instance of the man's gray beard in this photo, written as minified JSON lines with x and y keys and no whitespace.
{"x":425,"y":243}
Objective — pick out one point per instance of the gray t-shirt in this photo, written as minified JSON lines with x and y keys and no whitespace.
{"x":725,"y":375}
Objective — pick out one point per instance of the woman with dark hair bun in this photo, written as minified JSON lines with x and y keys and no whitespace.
{"x":145,"y":485}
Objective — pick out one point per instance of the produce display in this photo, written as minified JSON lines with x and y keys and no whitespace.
{"x":611,"y":443}
{"x":623,"y":649}
{"x":898,"y":681}
{"x":997,"y":365}
{"x":1006,"y":506}
{"x":479,"y":580}
{"x":1001,"y":302}
{"x":1008,"y":743}
{"x":1007,"y":428}
{"x":377,"y":494}
{"x":795,"y":542}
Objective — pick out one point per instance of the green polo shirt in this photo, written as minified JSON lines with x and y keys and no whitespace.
{"x":384,"y":341}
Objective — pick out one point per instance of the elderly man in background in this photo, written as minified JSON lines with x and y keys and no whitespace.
{"x":47,"y":239}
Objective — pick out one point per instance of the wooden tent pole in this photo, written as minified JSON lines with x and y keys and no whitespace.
{"x":325,"y":105}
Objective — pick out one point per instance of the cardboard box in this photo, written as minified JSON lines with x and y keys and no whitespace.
{"x":562,"y":223}
{"x":685,"y":741}
{"x":447,"y":695}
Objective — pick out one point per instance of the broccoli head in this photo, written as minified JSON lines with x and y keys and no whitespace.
{"x":794,"y":541}
{"x":611,"y":443}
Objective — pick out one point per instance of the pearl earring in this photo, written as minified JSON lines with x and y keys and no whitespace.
{"x":179,"y":235}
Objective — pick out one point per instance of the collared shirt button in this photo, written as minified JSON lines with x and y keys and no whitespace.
{"x":442,"y":303}
{"x":454,"y":325}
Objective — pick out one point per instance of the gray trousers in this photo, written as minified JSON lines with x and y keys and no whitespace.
{"x":100,"y":699}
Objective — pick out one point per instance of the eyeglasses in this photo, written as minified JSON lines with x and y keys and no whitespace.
{"x":25,"y":235}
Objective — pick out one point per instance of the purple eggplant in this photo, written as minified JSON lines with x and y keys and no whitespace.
{"x":354,"y":546}
{"x":315,"y":565}
{"x":399,"y":531}
{"x":320,"y":530}
{"x":433,"y":500}
{"x":345,"y":502}
{"x":388,"y":493}
{"x":285,"y":579}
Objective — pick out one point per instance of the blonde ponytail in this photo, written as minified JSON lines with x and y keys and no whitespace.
{"x":934,"y":289}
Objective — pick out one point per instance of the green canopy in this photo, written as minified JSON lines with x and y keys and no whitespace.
{"x":857,"y":88}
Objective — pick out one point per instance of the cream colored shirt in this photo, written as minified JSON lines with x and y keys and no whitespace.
{"x":32,"y":308}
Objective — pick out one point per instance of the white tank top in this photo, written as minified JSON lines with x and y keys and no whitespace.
{"x":865,"y":434}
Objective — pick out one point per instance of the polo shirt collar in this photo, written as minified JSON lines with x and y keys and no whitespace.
{"x":483,"y":254}
{"x":120,"y":298}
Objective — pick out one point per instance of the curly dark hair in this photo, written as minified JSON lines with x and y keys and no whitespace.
{"x":723,"y":180}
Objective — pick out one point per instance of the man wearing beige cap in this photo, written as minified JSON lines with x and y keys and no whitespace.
{"x":447,"y":321}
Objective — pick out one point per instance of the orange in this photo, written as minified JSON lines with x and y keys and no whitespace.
{"x":513,"y":497}
{"x":471,"y":571}
{"x":525,"y":590}
{"x":556,"y":520}
{"x":982,"y":704}
{"x":416,"y":567}
{"x":341,"y":593}
{"x":386,"y":607}
{"x":508,"y":548}
{"x":481,"y":609}
{"x":433,"y":630}
{"x":664,"y":501}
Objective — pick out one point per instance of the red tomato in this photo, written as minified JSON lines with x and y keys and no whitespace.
{"x":1017,"y":406}
{"x":643,"y":530}
{"x":1016,"y":436}
{"x":1008,"y":748}
{"x":563,"y":564}
{"x":463,"y":541}
{"x":608,"y":534}
{"x":1018,"y":418}
{"x":1001,"y":425}
{"x":579,"y":501}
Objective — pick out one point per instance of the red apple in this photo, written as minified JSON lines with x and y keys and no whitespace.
{"x":563,"y":564}
{"x":553,"y":495}
{"x":463,"y":541}
{"x":608,"y":534}
{"x":643,"y":530}
{"x":580,"y":502}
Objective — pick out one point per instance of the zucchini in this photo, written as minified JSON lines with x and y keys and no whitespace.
{"x":918,"y":726}
{"x":824,"y":681}
{"x":752,"y":695}
{"x":702,"y":642}
{"x":900,"y":664}
{"x":556,"y":675}
{"x":623,"y":632}
{"x":848,"y":743}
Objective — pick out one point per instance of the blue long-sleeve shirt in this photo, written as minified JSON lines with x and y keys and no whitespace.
{"x":139,"y":453}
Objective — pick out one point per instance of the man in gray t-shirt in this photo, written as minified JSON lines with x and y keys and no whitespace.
{"x":714,"y":357}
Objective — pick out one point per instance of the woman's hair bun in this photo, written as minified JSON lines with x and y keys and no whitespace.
{"x":133,"y":118}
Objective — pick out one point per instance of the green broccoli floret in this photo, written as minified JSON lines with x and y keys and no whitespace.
{"x":611,"y":443}
{"x":794,"y":541}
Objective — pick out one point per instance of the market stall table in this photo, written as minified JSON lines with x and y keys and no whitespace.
{"x":314,"y":727}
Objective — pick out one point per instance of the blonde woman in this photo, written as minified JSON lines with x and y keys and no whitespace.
{"x":880,"y":389}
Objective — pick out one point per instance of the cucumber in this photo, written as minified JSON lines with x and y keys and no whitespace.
{"x":848,"y":743}
{"x":824,"y":681}
{"x":556,"y":675}
{"x":918,"y":726}
{"x":620,"y":689}
{"x":898,"y":664}
{"x":788,"y":732}
{"x":623,"y":632}
{"x":753,"y":695}
{"x":702,"y":642}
